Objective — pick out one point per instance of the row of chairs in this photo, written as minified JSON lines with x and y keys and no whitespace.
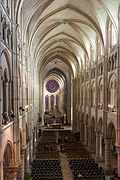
{"x":47,"y":166}
{"x":82,"y":165}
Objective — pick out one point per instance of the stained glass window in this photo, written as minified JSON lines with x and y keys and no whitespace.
{"x":52,"y":101}
{"x":57,"y":102}
{"x":52,"y":86}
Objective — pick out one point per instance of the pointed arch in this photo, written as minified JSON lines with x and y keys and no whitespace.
{"x":8,"y":154}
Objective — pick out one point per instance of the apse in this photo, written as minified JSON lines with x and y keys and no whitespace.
{"x":56,"y":89}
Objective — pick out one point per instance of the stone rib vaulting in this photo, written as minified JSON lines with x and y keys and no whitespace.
{"x":59,"y":69}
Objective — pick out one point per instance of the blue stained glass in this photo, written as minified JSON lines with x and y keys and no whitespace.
{"x":57,"y":102}
{"x":52,"y":101}
{"x":52,"y":86}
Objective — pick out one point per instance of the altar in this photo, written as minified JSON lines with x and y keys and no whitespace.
{"x":53,"y":119}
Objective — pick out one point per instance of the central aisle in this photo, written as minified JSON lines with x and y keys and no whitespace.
{"x":66,"y":172}
{"x":65,"y":167}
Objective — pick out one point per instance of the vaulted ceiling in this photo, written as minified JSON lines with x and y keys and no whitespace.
{"x":65,"y":29}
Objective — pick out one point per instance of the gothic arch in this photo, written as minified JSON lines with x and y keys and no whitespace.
{"x":8,"y":154}
{"x":112,"y":90}
{"x":112,"y":76}
{"x":7,"y":57}
{"x":6,"y":84}
{"x":111,"y":130}
{"x":93,"y":122}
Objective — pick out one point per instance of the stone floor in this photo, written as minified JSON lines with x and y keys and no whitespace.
{"x":67,"y":173}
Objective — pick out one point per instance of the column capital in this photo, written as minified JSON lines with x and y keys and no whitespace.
{"x":108,"y":139}
{"x":98,"y":133}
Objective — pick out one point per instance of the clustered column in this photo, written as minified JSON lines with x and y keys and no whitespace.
{"x":108,"y":155}
{"x":99,"y":146}
{"x":1,"y":98}
{"x":118,"y":150}
{"x":89,"y":109}
{"x":20,"y":175}
{"x":74,"y":106}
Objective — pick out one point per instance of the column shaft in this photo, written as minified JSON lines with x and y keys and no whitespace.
{"x":118,"y":98}
{"x":85,"y":134}
{"x":1,"y":98}
{"x":98,"y":146}
{"x":108,"y":155}
{"x":118,"y":150}
{"x":1,"y":170}
{"x":27,"y":165}
{"x":6,"y":96}
{"x":21,"y":168}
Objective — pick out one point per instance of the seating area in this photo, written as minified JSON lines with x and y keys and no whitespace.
{"x":46,"y":170}
{"x":82,"y":165}
{"x":86,"y":168}
{"x":47,"y":166}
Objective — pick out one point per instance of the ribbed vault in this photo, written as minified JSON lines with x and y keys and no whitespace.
{"x":68,"y":29}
